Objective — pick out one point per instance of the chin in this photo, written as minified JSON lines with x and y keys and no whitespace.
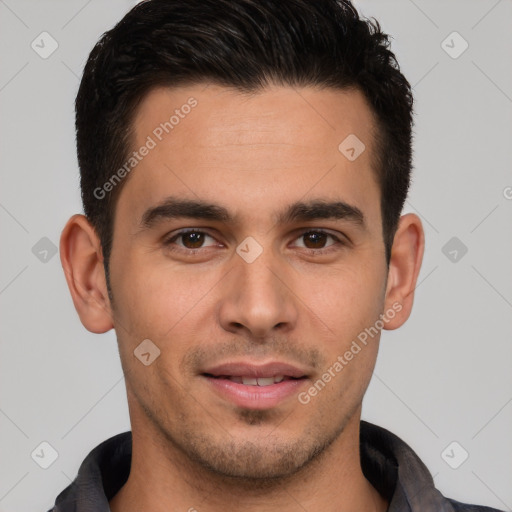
{"x":264,"y":461}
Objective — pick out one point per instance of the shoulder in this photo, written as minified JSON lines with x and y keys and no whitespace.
{"x":397,"y":472}
{"x":464,"y":507}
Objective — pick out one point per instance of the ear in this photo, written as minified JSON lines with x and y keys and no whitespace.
{"x":404,"y":267}
{"x":82,"y":260}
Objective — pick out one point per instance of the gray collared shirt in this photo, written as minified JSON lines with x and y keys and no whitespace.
{"x":388,"y":463}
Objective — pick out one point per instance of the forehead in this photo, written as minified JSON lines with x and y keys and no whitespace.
{"x":310,"y":118}
{"x":252,"y":150}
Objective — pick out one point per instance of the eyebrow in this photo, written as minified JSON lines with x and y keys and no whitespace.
{"x":300,"y":211}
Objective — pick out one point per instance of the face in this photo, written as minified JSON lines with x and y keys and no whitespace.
{"x":248,"y":248}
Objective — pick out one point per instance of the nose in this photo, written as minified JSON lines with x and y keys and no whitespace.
{"x":258,"y":298}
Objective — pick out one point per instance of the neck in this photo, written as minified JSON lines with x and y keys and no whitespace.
{"x":162,"y":478}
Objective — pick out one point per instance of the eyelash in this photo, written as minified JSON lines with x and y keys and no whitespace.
{"x":169,"y":242}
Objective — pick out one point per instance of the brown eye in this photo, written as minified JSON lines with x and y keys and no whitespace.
{"x":318,"y":240}
{"x":315,"y":239}
{"x":192,"y":240}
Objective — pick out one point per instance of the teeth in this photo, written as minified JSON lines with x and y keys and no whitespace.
{"x":259,"y":381}
{"x":265,"y":381}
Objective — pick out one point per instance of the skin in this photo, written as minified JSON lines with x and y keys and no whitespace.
{"x":298,"y":302}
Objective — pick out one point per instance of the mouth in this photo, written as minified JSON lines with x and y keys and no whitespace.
{"x":248,"y":380}
{"x":255,"y":386}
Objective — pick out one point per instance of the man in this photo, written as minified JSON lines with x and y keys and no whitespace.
{"x":244,"y":164}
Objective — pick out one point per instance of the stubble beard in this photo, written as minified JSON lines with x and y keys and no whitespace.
{"x":262,"y":463}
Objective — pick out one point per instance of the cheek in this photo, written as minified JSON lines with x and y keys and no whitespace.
{"x":155,"y":300}
{"x":347,"y":298}
{"x":349,"y":302}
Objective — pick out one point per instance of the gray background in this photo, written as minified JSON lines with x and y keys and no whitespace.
{"x":443,"y":377}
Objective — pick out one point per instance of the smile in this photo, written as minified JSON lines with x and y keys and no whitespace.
{"x":253,"y":386}
{"x":253,"y":381}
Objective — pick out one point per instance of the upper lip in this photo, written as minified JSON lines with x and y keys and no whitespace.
{"x":246,"y":369}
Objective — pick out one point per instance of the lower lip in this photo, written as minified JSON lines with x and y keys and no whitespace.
{"x":255,"y":397}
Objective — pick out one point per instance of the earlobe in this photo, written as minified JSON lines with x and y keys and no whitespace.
{"x":82,"y":260}
{"x":404,"y":268}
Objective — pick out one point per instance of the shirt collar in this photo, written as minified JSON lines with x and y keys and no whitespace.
{"x":395,"y":470}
